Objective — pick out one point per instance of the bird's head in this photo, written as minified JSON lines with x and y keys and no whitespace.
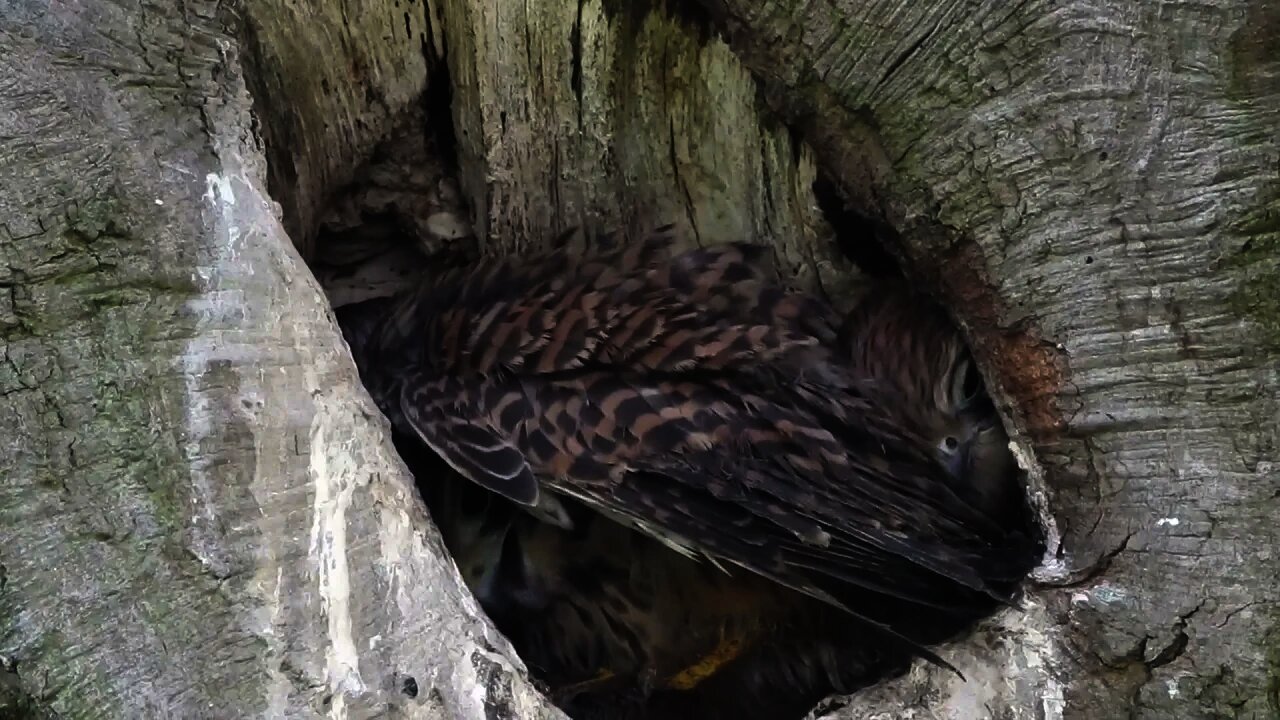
{"x":969,"y":439}
{"x":906,"y":351}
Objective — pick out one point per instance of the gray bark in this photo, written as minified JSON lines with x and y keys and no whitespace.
{"x":1093,"y":188}
{"x":200,"y":514}
{"x":624,"y":115}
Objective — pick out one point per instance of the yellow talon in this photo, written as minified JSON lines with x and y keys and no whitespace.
{"x":725,"y":651}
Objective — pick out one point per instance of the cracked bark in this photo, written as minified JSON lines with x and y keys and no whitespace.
{"x":200,"y":514}
{"x":1063,"y":156}
{"x":198,"y":518}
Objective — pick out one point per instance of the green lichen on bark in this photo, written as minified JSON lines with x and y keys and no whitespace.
{"x":96,"y":407}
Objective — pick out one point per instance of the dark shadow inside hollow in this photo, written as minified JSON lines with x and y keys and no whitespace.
{"x":601,"y":595}
{"x":602,"y":566}
{"x":612,"y":622}
{"x":860,"y":238}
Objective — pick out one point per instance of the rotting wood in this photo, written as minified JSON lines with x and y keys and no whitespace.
{"x":625,"y":115}
{"x":1101,"y":181}
{"x":1104,"y":175}
{"x":201,"y":514}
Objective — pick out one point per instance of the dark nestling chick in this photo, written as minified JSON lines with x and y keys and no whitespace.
{"x":619,"y":626}
{"x":691,"y":397}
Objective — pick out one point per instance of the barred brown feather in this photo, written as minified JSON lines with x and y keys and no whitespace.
{"x":692,"y":396}
{"x":913,"y":358}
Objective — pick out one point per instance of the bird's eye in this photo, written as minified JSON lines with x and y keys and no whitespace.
{"x":949,"y":444}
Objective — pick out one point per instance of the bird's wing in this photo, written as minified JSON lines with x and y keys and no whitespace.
{"x":750,"y":481}
{"x":691,"y":395}
{"x":849,"y":505}
{"x":644,"y":305}
{"x":455,"y":420}
{"x":641,"y":305}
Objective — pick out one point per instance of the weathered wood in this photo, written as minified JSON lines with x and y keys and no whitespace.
{"x":197,"y":519}
{"x":198,"y":516}
{"x":1093,"y":188}
{"x":327,"y":80}
{"x":624,"y":115}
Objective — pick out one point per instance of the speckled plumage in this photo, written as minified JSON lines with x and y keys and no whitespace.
{"x":690,"y":396}
{"x":909,"y":355}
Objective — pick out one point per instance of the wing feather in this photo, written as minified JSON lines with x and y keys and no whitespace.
{"x":691,"y":395}
{"x":480,"y":450}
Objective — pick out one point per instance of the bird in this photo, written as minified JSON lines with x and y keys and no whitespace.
{"x":785,"y":649}
{"x":704,"y":426}
{"x":615,"y":625}
{"x":903,"y":346}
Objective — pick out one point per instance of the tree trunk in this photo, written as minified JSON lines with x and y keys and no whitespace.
{"x":1093,"y":188}
{"x":201,"y":514}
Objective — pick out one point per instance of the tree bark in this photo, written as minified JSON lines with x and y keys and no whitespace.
{"x":201,"y":513}
{"x":626,"y":115}
{"x":1093,"y":188}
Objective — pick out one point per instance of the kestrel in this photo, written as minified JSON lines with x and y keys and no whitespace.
{"x":701,"y":407}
